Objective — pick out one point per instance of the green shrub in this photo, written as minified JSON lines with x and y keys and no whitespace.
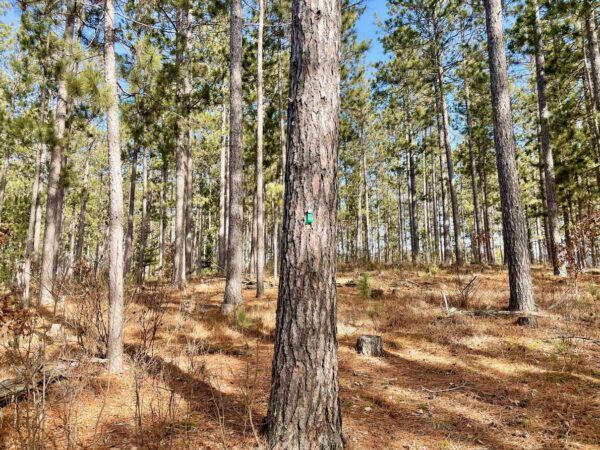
{"x":364,"y":286}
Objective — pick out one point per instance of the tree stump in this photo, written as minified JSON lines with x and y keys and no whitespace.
{"x":396,"y":292}
{"x":369,"y":345}
{"x":376,"y":293}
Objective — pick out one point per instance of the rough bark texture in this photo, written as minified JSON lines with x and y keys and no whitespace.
{"x":260,"y":202}
{"x":235,"y":262}
{"x":513,"y":218}
{"x":558,"y":263}
{"x":53,"y":214}
{"x":304,"y":409}
{"x":115,"y":235}
{"x":370,"y":345}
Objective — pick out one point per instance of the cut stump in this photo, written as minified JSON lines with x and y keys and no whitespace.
{"x":369,"y":345}
{"x":376,"y":293}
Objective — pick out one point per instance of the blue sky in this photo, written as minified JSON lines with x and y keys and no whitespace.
{"x":367,"y":28}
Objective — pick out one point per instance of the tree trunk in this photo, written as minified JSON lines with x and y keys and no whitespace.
{"x":141,"y":261}
{"x":513,"y":218}
{"x":558,"y":263}
{"x":304,"y":408}
{"x":52,"y":202}
{"x":235,"y":261}
{"x":487,"y":228}
{"x":366,"y":223}
{"x":401,"y":252}
{"x":36,"y":201}
{"x":222,"y":196}
{"x":260,"y":202}
{"x":115,"y":235}
{"x":3,"y":179}
{"x":282,"y":143}
{"x":131,"y":209}
{"x":82,"y":212}
{"x":162,"y":220}
{"x":445,"y":221}
{"x":412,"y":178}
{"x":445,"y":127}
{"x":189,"y":206}
{"x":182,"y":152}
{"x":473,"y":166}
{"x":593,"y":51}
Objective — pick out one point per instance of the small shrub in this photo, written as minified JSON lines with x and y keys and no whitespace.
{"x":242,"y":320}
{"x":364,"y":286}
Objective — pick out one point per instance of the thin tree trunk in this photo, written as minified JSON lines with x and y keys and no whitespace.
{"x":141,"y":262}
{"x":131,"y":209}
{"x":513,"y":218}
{"x":36,"y":202}
{"x":489,"y":251}
{"x":162,"y":221}
{"x":115,"y":264}
{"x":222,"y":195}
{"x":82,"y":212}
{"x":445,"y":127}
{"x":52,"y":202}
{"x":304,"y":407}
{"x":445,"y":221}
{"x":235,"y":262}
{"x":366,"y":223}
{"x":473,"y":166}
{"x":3,"y":180}
{"x":401,"y":251}
{"x":558,"y":263}
{"x":412,"y":179}
{"x":260,"y":202}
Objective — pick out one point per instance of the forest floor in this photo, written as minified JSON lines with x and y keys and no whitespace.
{"x":196,"y":380}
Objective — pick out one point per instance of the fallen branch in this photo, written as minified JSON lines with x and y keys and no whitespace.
{"x":439,"y":391}
{"x":494,"y":313}
{"x":581,"y":338}
{"x":13,"y":388}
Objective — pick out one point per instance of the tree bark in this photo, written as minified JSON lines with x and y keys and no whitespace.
{"x":222,"y":196}
{"x":82,"y":212}
{"x":131,"y":209}
{"x":304,"y":408}
{"x":445,"y":128}
{"x":36,"y":201}
{"x":115,"y":236}
{"x":513,"y":218}
{"x":141,"y":260}
{"x":473,"y":166}
{"x":52,"y":202}
{"x":162,"y":220}
{"x":412,"y":179}
{"x":235,"y":262}
{"x":3,"y":180}
{"x":260,"y":202}
{"x":182,"y":152}
{"x":558,"y":263}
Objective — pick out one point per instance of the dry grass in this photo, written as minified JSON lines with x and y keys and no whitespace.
{"x":202,"y":381}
